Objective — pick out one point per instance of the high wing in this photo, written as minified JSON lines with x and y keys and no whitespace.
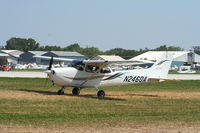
{"x":100,"y":63}
{"x":103,"y":63}
{"x":54,"y":58}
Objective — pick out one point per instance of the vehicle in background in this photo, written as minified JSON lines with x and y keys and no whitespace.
{"x":186,"y":71}
{"x":4,"y":67}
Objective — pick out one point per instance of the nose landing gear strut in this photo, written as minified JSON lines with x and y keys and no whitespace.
{"x":61,"y":91}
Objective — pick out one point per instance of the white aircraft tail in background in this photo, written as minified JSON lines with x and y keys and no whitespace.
{"x":97,"y":73}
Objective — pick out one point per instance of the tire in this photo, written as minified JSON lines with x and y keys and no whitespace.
{"x":75,"y":91}
{"x":101,"y":94}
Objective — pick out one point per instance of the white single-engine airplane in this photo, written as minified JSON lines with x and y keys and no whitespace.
{"x":97,"y":73}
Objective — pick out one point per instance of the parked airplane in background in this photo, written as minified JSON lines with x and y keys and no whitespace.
{"x":97,"y":73}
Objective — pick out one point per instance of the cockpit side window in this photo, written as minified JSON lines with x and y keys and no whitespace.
{"x":80,"y":67}
{"x":90,"y":68}
{"x":105,"y":70}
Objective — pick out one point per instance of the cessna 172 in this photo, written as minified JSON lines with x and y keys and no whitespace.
{"x":97,"y":73}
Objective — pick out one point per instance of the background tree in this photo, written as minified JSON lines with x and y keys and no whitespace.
{"x":196,"y":49}
{"x":50,"y":48}
{"x":73,"y":47}
{"x":2,"y":47}
{"x":170,"y":48}
{"x":91,"y":52}
{"x":31,"y":45}
{"x":175,"y":48}
{"x":21,"y":44}
{"x":161,"y":48}
{"x":124,"y":53}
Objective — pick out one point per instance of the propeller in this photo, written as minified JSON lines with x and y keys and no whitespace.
{"x":50,"y":63}
{"x":49,"y":68}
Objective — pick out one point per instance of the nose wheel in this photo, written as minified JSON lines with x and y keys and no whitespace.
{"x":101,"y":94}
{"x":75,"y":91}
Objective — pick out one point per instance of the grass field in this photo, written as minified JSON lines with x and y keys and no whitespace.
{"x":33,"y":105}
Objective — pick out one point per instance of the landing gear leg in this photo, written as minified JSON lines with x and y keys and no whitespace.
{"x":75,"y":91}
{"x":101,"y":94}
{"x":61,"y":91}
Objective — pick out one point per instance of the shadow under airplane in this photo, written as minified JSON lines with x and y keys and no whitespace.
{"x":81,"y":96}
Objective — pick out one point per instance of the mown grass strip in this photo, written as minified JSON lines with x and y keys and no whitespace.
{"x":45,"y":84}
{"x":88,"y":111}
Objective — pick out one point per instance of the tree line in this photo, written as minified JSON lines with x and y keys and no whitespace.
{"x":30,"y":44}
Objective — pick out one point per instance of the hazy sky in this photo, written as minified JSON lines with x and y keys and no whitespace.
{"x":106,"y":24}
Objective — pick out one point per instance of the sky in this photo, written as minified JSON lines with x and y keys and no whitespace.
{"x":105,"y":24}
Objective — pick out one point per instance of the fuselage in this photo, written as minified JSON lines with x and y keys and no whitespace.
{"x":70,"y":76}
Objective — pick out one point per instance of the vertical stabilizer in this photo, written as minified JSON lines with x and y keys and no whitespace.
{"x":161,"y":67}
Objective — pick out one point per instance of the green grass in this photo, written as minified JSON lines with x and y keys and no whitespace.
{"x":45,"y":84}
{"x":24,"y":83}
{"x":89,"y":110}
{"x":98,"y":111}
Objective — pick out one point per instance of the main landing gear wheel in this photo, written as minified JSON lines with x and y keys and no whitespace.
{"x":75,"y":91}
{"x":101,"y":94}
{"x":61,"y":92}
